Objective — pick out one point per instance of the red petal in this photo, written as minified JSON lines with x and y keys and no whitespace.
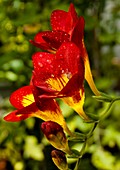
{"x":51,"y":128}
{"x":50,"y":40}
{"x":17,"y":97}
{"x":73,"y":14}
{"x":73,"y":86}
{"x":68,"y":58}
{"x":64,"y":21}
{"x":14,"y":117}
{"x":61,"y":20}
{"x":22,"y":114}
{"x":44,"y":104}
{"x":45,"y":46}
{"x":46,"y":107}
{"x":43,"y":64}
{"x":78,"y":32}
{"x":57,"y":21}
{"x":40,"y":42}
{"x":65,"y":61}
{"x":70,"y":89}
{"x":56,"y":38}
{"x":62,"y":65}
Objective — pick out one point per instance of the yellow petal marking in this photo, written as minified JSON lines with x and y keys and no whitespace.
{"x":53,"y":116}
{"x":27,"y":100}
{"x":58,"y":84}
{"x":77,"y":105}
{"x":88,"y":73}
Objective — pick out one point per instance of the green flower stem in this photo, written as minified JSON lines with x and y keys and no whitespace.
{"x":106,"y":112}
{"x":81,"y":154}
{"x":77,"y":164}
{"x":102,"y":116}
{"x":84,"y":146}
{"x":92,"y":130}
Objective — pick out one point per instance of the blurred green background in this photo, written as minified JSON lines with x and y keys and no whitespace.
{"x":22,"y":145}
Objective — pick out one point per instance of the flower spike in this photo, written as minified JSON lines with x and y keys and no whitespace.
{"x":66,"y":27}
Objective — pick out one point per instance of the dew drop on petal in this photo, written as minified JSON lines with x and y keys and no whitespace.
{"x":61,"y":55}
{"x":49,"y":61}
{"x":52,"y":75}
{"x":51,"y":66}
{"x":40,"y":55}
{"x":40,"y":64}
{"x":69,"y":75}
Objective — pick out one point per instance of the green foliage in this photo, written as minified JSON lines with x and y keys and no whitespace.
{"x":22,"y":143}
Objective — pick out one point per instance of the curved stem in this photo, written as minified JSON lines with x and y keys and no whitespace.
{"x":84,"y":145}
{"x":67,"y":130}
{"x":92,"y":130}
{"x":81,"y":154}
{"x":105,"y":113}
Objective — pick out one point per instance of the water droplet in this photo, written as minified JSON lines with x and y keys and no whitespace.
{"x":52,"y":75}
{"x":64,"y":47}
{"x":40,"y":55}
{"x":40,"y":64}
{"x":49,"y":61}
{"x":51,"y":66}
{"x":69,"y":75}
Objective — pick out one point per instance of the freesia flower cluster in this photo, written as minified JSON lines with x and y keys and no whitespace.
{"x":58,"y":72}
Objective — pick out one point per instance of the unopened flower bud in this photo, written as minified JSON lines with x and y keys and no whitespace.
{"x":54,"y":133}
{"x":59,"y":159}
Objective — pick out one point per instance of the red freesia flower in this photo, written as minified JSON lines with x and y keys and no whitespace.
{"x":28,"y":104}
{"x":61,"y":75}
{"x":66,"y":26}
{"x":58,"y":73}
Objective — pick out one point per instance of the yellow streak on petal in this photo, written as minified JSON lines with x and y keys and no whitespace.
{"x":77,"y":106}
{"x":88,"y":73}
{"x":58,"y":84}
{"x":53,"y":116}
{"x":27,"y":100}
{"x":89,"y":78}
